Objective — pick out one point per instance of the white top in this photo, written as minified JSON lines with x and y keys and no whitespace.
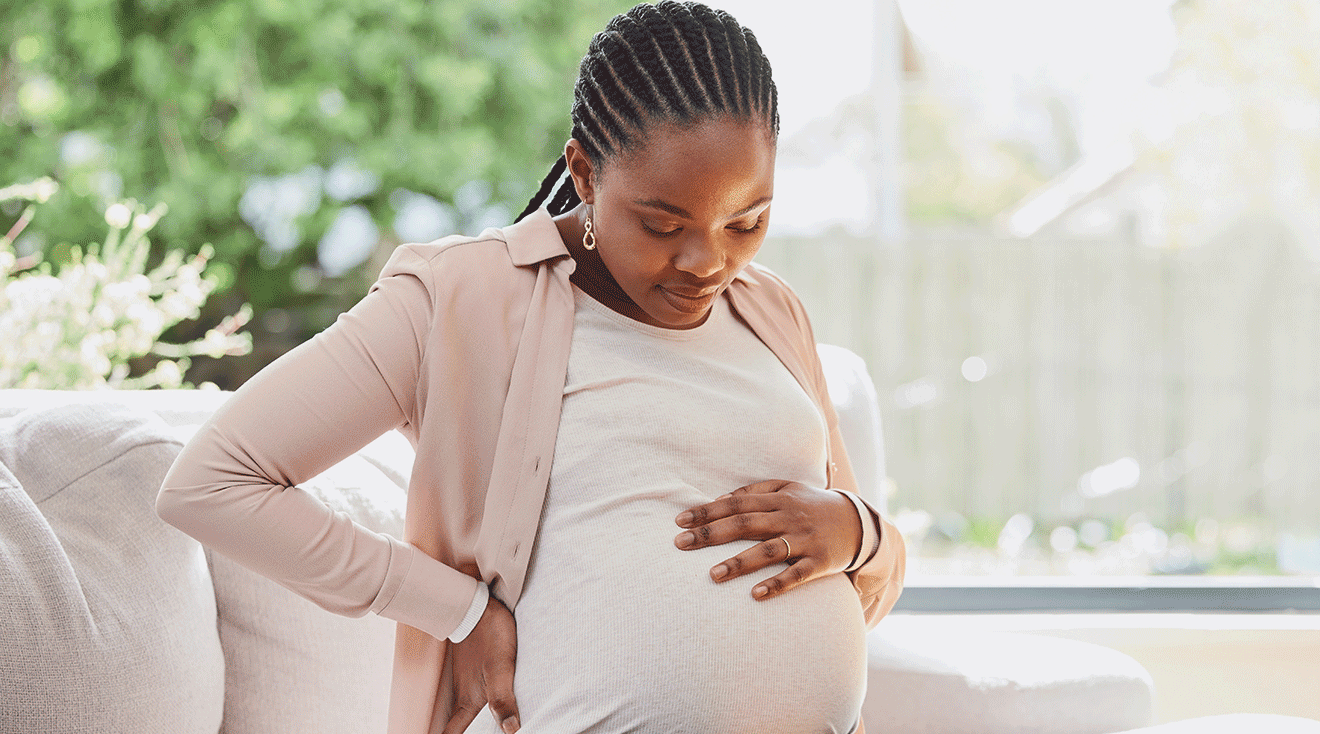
{"x":618,"y":629}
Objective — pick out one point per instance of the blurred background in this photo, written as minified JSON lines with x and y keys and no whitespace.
{"x":1077,"y":241}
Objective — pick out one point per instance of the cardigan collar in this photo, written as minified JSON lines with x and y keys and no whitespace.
{"x":534,"y":239}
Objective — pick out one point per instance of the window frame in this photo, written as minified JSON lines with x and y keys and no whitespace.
{"x":1064,"y":594}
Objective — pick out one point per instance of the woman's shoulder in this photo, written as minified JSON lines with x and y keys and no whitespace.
{"x":764,"y":285}
{"x":759,"y":274}
{"x":486,"y":251}
{"x":460,"y":263}
{"x":507,"y":256}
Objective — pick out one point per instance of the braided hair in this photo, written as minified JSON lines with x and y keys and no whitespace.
{"x":671,"y":62}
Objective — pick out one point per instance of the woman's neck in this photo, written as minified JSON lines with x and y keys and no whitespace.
{"x":590,"y":274}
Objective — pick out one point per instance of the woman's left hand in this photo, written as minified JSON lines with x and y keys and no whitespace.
{"x":820,"y":525}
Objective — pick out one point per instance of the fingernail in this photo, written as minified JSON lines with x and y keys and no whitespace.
{"x":720,"y":571}
{"x":684,"y":518}
{"x":759,"y":592}
{"x":510,"y":725}
{"x":685,"y":539}
{"x":724,"y":496}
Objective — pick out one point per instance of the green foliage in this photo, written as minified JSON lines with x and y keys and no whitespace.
{"x":982,"y":531}
{"x":976,"y":544}
{"x":187,"y":104}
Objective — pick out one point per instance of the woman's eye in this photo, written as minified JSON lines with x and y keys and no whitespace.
{"x":660,"y":230}
{"x":746,"y":230}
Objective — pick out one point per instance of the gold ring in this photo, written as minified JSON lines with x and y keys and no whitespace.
{"x":787,"y":547}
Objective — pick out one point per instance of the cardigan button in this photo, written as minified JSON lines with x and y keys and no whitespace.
{"x":516,"y":546}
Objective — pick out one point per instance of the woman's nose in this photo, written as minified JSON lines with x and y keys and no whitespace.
{"x":700,"y":259}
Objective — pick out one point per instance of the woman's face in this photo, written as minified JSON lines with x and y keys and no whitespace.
{"x":678,"y":217}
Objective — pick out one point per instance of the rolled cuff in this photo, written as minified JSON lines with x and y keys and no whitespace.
{"x":870,"y":535}
{"x":422,"y":592}
{"x":474,"y":612}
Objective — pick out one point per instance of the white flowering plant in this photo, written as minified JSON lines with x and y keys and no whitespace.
{"x":78,"y":328}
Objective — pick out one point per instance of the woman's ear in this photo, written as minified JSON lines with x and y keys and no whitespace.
{"x":580,"y":168}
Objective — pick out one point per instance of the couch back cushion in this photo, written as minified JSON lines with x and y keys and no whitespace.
{"x":107,"y":614}
{"x":291,"y":666}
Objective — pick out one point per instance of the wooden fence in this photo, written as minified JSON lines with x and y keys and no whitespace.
{"x":1202,"y":365}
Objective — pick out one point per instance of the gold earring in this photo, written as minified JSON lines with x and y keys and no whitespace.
{"x":589,"y":238}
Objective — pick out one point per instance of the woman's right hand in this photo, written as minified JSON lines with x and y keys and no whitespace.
{"x":483,"y":671}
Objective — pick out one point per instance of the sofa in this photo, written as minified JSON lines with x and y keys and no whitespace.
{"x":113,"y":621}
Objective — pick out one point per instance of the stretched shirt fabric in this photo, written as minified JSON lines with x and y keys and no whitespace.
{"x":462,"y":345}
{"x":621,"y":631}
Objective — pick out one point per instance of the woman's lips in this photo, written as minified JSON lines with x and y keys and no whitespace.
{"x":693,"y":302}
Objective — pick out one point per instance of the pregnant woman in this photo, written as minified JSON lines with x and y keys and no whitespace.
{"x":630,"y":509}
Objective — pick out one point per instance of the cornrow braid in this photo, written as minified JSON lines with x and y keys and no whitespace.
{"x":671,"y":62}
{"x":722,"y":48}
{"x":662,"y":35}
{"x":765,"y":94}
{"x":696,"y":35}
{"x":556,"y":171}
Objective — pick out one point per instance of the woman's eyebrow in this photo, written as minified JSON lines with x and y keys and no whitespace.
{"x":664,"y":206}
{"x":681,"y":212}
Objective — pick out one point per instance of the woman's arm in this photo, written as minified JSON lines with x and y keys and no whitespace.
{"x":234,"y":486}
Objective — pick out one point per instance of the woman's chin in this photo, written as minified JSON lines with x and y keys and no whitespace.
{"x":676,"y":311}
{"x":678,"y":320}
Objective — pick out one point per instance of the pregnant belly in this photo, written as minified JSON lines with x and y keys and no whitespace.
{"x":619,"y":631}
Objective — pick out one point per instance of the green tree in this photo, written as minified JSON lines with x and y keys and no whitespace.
{"x":307,"y":108}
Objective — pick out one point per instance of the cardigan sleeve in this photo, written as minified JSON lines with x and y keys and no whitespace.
{"x":234,"y":487}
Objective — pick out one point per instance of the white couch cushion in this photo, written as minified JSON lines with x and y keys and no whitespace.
{"x":950,"y":682}
{"x":107,"y":614}
{"x":175,"y":407}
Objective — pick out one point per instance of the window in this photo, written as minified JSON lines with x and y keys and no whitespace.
{"x":1091,"y":305}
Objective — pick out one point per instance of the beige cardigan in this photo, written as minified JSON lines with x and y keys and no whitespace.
{"x":462,"y":345}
